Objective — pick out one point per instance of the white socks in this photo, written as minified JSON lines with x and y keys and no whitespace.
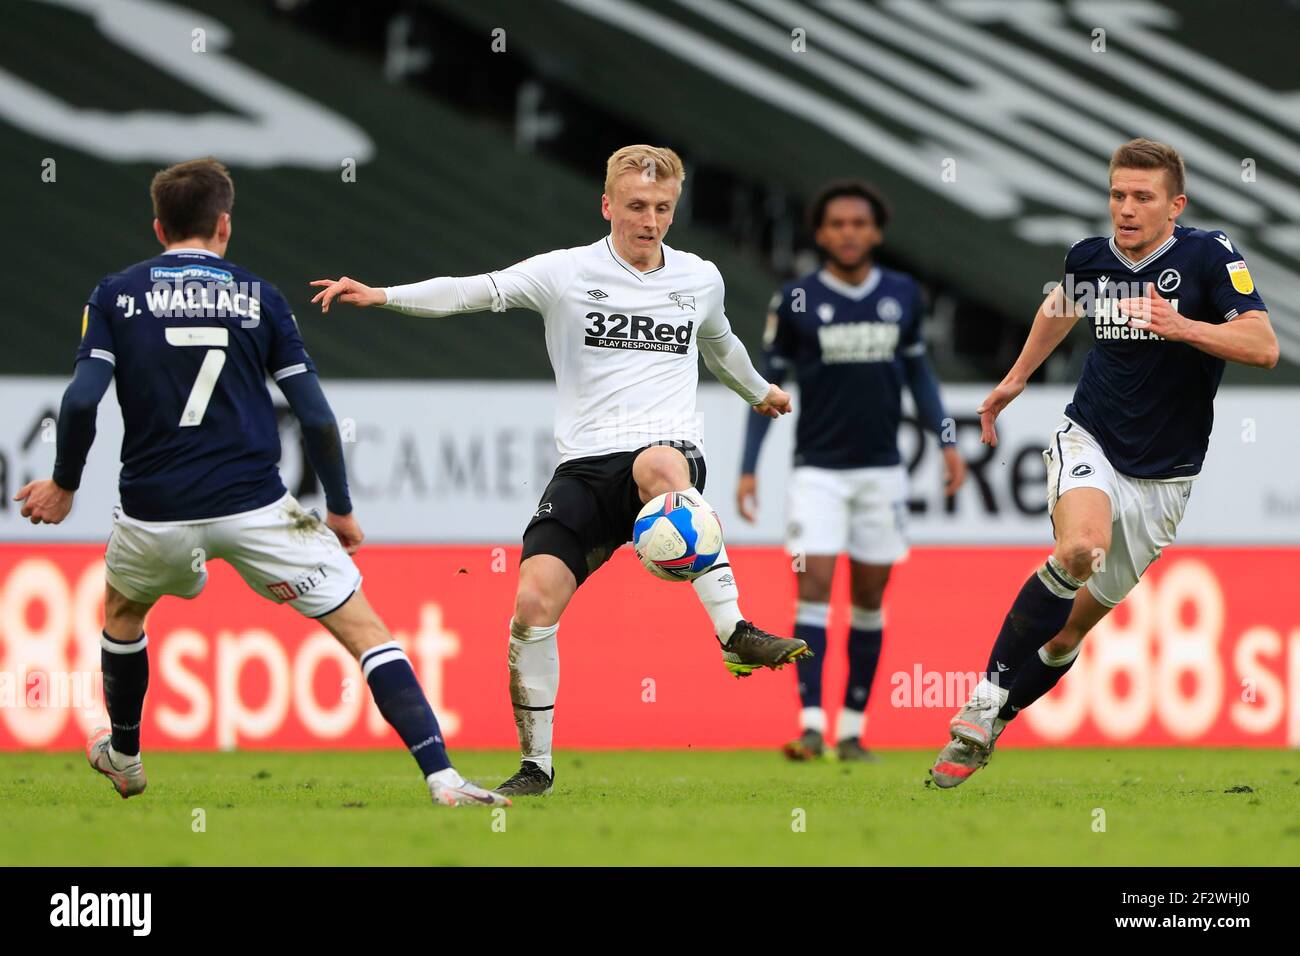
{"x":1066,"y":658}
{"x":534,"y":681}
{"x":812,"y":718}
{"x":850,"y":724}
{"x":716,"y":589}
{"x":987,"y":694}
{"x":121,"y":761}
{"x":448,"y":778}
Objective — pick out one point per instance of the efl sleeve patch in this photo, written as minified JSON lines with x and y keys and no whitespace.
{"x":1240,"y":276}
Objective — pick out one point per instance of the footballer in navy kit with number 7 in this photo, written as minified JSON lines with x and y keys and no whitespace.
{"x":191,"y":338}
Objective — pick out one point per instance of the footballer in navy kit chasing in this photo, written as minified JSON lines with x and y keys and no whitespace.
{"x":191,"y":339}
{"x":851,"y":334}
{"x":1169,"y":305}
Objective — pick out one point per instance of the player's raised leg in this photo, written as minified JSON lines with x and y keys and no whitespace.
{"x":401,"y":700}
{"x":114,"y":751}
{"x":292,"y":556}
{"x":546,"y":584}
{"x":1082,"y":522}
{"x":662,"y":468}
{"x":814,"y":575}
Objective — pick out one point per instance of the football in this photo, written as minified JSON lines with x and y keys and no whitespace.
{"x":677,"y":536}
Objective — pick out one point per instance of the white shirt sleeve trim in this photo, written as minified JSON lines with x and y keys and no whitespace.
{"x":107,"y":356}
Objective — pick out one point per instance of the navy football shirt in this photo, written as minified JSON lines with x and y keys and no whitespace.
{"x":1149,"y":402}
{"x":192,"y":338}
{"x":845,"y":345}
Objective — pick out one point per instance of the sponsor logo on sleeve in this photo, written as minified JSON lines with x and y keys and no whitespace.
{"x":1240,"y":276}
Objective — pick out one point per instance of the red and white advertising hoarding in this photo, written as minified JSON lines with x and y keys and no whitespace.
{"x":1205,"y":652}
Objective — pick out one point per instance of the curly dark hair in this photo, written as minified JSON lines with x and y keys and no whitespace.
{"x":848,"y":187}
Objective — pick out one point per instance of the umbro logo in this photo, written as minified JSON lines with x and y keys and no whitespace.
{"x":683,"y":301}
{"x":597,"y":294}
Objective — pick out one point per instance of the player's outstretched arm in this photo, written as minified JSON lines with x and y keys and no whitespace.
{"x":445,"y":295}
{"x":532,"y":284}
{"x":320,"y":434}
{"x":1052,"y":323}
{"x":50,"y":499}
{"x":346,"y":290}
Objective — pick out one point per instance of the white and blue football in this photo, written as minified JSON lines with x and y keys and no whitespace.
{"x":677,"y":536}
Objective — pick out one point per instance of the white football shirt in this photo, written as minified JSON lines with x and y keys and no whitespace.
{"x":623,"y":343}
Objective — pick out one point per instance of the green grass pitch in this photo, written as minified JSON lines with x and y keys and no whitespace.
{"x":1181,"y":807}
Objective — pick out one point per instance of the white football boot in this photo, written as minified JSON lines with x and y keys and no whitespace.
{"x":128,"y":779}
{"x":449,"y":793}
{"x":961,"y":758}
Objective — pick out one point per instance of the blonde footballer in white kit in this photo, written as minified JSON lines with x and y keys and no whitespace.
{"x":624,"y":318}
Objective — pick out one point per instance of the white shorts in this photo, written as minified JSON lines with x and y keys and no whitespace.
{"x":284,"y":553}
{"x":858,"y":510}
{"x":1144,"y":513}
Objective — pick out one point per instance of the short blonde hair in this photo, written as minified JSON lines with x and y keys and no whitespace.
{"x":653,"y":162}
{"x":1148,"y":154}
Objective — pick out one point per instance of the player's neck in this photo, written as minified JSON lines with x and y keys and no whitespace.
{"x":1141,"y":252}
{"x":211,"y":245}
{"x":854,"y":276}
{"x":643,"y":262}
